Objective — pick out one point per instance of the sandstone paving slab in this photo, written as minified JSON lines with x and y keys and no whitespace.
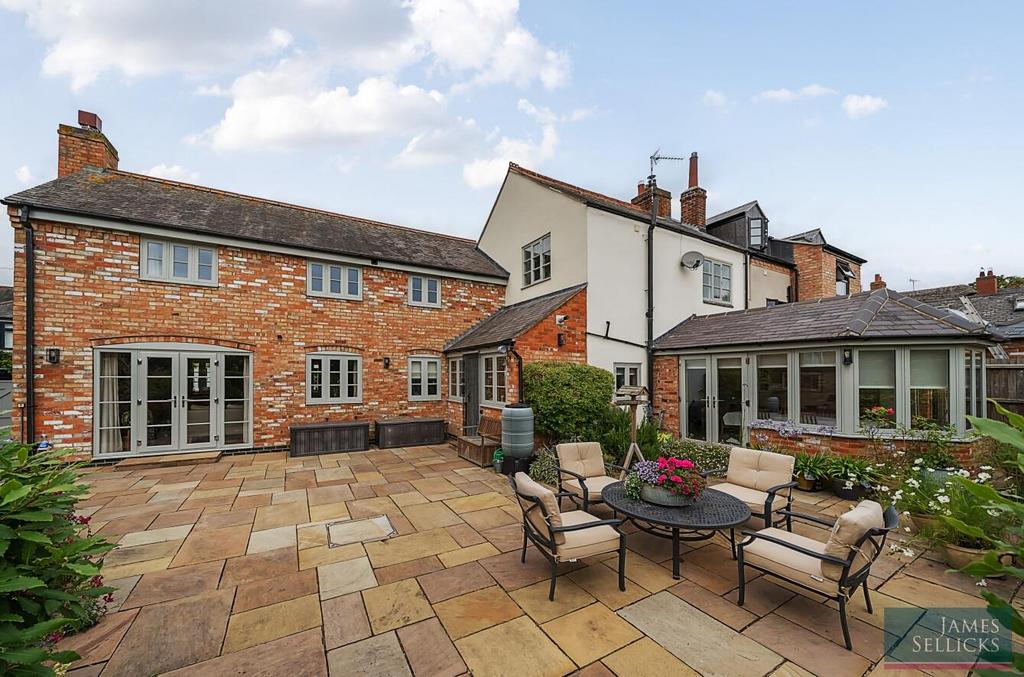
{"x":261,"y":566}
{"x":805,"y":648}
{"x":285,"y":514}
{"x":646,"y":658}
{"x":338,"y":493}
{"x":268,"y":623}
{"x":442,"y":585}
{"x":122,"y":588}
{"x":163,"y":586}
{"x":505,"y":538}
{"x":140,"y":553}
{"x":719,"y":608}
{"x":511,"y":574}
{"x":97,"y":644}
{"x":568,"y":598}
{"x":271,"y":539}
{"x":311,"y":536}
{"x":292,"y":496}
{"x":410,"y":569}
{"x":432,"y":487}
{"x":697,"y":639}
{"x":643,"y":571}
{"x":379,"y":656}
{"x":328,"y":511}
{"x":122,"y":525}
{"x":469,"y":554}
{"x":341,"y":578}
{"x":136,"y":568}
{"x":603,"y":583}
{"x":790,"y":669}
{"x":427,"y":516}
{"x":465,"y":535}
{"x":149,"y":647}
{"x":590,"y":633}
{"x":345,"y":620}
{"x":763,"y":596}
{"x":396,"y":605}
{"x":360,"y":530}
{"x":868,"y":640}
{"x":299,"y":655}
{"x":517,"y":647}
{"x":174,"y":533}
{"x":174,"y":519}
{"x":429,"y":650}
{"x":478,"y":502}
{"x":474,"y":611}
{"x":212,"y":544}
{"x":310,"y":558}
{"x":924,"y":593}
{"x":414,"y":546}
{"x":273,"y":590}
{"x":408,"y":498}
{"x":491,"y":518}
{"x":230,"y":518}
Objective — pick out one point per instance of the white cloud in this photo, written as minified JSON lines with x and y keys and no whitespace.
{"x":785,"y":95}
{"x":449,"y":143}
{"x":289,"y":106}
{"x":24,"y":175}
{"x":714,"y":99}
{"x":862,"y":105}
{"x":489,"y":171}
{"x":173,"y":172}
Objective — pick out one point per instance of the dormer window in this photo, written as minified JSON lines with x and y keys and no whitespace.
{"x":757,"y":234}
{"x":844,"y":273}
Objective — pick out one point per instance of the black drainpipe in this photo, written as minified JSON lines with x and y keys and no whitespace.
{"x":651,"y":185}
{"x":28,"y":432}
{"x":511,"y":349}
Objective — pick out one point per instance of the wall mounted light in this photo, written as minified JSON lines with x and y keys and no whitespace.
{"x":387,"y":362}
{"x":847,"y":356}
{"x":561,"y":340}
{"x":53,"y":355}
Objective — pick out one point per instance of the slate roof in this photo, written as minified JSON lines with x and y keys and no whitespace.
{"x":998,"y":308}
{"x":512,"y":321}
{"x":6,"y":303}
{"x":729,"y":213}
{"x":816,"y":237}
{"x":882,"y":313}
{"x":157,"y":202}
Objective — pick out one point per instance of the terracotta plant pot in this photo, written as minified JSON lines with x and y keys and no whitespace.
{"x":920,"y":522}
{"x":662,"y":496}
{"x":957,"y":557}
{"x":806,"y":483}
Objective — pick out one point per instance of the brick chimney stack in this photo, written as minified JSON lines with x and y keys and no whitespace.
{"x":643,"y":199}
{"x":693,"y":207}
{"x":84,"y":146}
{"x":986,"y":284}
{"x":878,"y":283}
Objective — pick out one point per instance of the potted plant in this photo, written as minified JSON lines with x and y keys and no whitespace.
{"x":668,"y":481}
{"x":917,"y":495}
{"x":851,"y":477}
{"x":497,"y":459}
{"x":964,"y":507}
{"x":809,"y":468}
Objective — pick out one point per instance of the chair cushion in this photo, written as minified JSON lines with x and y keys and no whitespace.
{"x":527,"y":487}
{"x":585,"y":542}
{"x":759,"y":470}
{"x":594,"y":486}
{"x":752,"y":497}
{"x":790,"y":564}
{"x":582,"y":458}
{"x":848,"y":529}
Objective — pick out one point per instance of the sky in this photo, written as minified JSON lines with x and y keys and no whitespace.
{"x":894,"y":127}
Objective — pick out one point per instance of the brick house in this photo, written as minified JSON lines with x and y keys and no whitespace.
{"x":170,"y":317}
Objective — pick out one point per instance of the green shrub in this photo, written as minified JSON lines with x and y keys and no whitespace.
{"x":544,"y":468}
{"x":570,"y":401}
{"x":708,"y":457}
{"x":614,"y":436}
{"x":49,"y":577}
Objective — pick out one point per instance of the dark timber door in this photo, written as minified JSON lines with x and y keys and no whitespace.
{"x":471,"y":400}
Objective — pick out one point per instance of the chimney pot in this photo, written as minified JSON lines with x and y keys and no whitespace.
{"x":878,"y":283}
{"x":644,"y":193}
{"x":87,"y":120}
{"x":693,"y":171}
{"x":640,"y":188}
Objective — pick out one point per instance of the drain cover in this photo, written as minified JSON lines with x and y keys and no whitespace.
{"x":359,"y":531}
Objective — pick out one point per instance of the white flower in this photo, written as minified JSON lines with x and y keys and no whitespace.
{"x":963,"y":473}
{"x":993,"y":513}
{"x":943,"y":499}
{"x":984,"y":477}
{"x":930,"y":469}
{"x":918,"y":461}
{"x":914,"y":484}
{"x":984,"y":467}
{"x":848,"y":485}
{"x":897,"y":495}
{"x":982,"y":583}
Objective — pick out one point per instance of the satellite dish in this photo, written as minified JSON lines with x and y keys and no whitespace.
{"x":692,"y":260}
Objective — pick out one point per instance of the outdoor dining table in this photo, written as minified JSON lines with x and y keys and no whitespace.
{"x":713,"y":511}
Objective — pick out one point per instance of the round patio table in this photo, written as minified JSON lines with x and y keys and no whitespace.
{"x":714,"y":511}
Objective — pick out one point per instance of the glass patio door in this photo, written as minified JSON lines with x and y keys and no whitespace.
{"x":729,"y":400}
{"x":158,"y":402}
{"x":198,"y":400}
{"x":696,"y":403}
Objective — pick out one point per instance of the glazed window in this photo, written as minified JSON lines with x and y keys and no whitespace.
{"x":334,"y":280}
{"x":169,"y":261}
{"x":424,"y":291}
{"x":334,"y":378}
{"x":537,"y":261}
{"x":424,"y":378}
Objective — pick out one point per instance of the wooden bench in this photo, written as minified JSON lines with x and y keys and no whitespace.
{"x":479,"y":447}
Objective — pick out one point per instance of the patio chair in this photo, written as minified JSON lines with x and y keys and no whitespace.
{"x":764,"y":481}
{"x":564,"y":536}
{"x":834,"y":569}
{"x":583,"y":464}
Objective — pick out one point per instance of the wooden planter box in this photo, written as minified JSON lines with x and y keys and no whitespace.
{"x":329,"y":437}
{"x":410,"y":432}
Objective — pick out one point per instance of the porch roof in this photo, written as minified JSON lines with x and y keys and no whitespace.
{"x":878,"y":314}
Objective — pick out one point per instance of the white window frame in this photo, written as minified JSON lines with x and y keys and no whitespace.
{"x":167,"y":262}
{"x":456,"y":379}
{"x":425,"y":283}
{"x":325,"y":397}
{"x":716,"y":296}
{"x":326,"y":268}
{"x":424,"y":361}
{"x":490,"y":398}
{"x":760,"y":233}
{"x":626,"y":368}
{"x":534,"y":263}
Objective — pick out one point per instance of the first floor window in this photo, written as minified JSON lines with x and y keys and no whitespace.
{"x":424,"y":291}
{"x":178,"y":262}
{"x":334,"y":280}
{"x":537,"y":261}
{"x":929,"y":387}
{"x":773,"y":387}
{"x":818,"y":387}
{"x":876,"y":389}
{"x":627,"y":375}
{"x":424,"y":378}
{"x":456,"y":379}
{"x":757,"y":233}
{"x":717,"y":281}
{"x":333,"y":378}
{"x":494,"y":379}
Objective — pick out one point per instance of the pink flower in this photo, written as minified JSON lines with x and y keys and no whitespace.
{"x":662,"y":462}
{"x":677,"y":478}
{"x":661,"y":479}
{"x":686,"y":464}
{"x":890,"y":411}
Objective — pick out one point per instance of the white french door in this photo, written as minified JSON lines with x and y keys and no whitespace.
{"x":715,"y":398}
{"x":158,"y":402}
{"x":198,"y":398}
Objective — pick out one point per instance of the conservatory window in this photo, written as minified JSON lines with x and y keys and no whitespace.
{"x":818,"y":388}
{"x":929,"y":387}
{"x":877,"y":387}
{"x":773,"y":387}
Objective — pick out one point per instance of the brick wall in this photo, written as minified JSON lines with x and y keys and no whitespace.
{"x":88,"y":294}
{"x":665,"y":398}
{"x":967,"y":453}
{"x":816,"y":272}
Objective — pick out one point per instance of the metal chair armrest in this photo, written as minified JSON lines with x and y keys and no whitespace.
{"x":771,"y":496}
{"x":792,"y":546}
{"x":809,"y":518}
{"x":582,"y":481}
{"x":588,"y":525}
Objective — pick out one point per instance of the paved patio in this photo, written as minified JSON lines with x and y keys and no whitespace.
{"x":225,"y":568}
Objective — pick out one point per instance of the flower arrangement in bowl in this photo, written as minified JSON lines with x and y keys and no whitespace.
{"x":668,"y":481}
